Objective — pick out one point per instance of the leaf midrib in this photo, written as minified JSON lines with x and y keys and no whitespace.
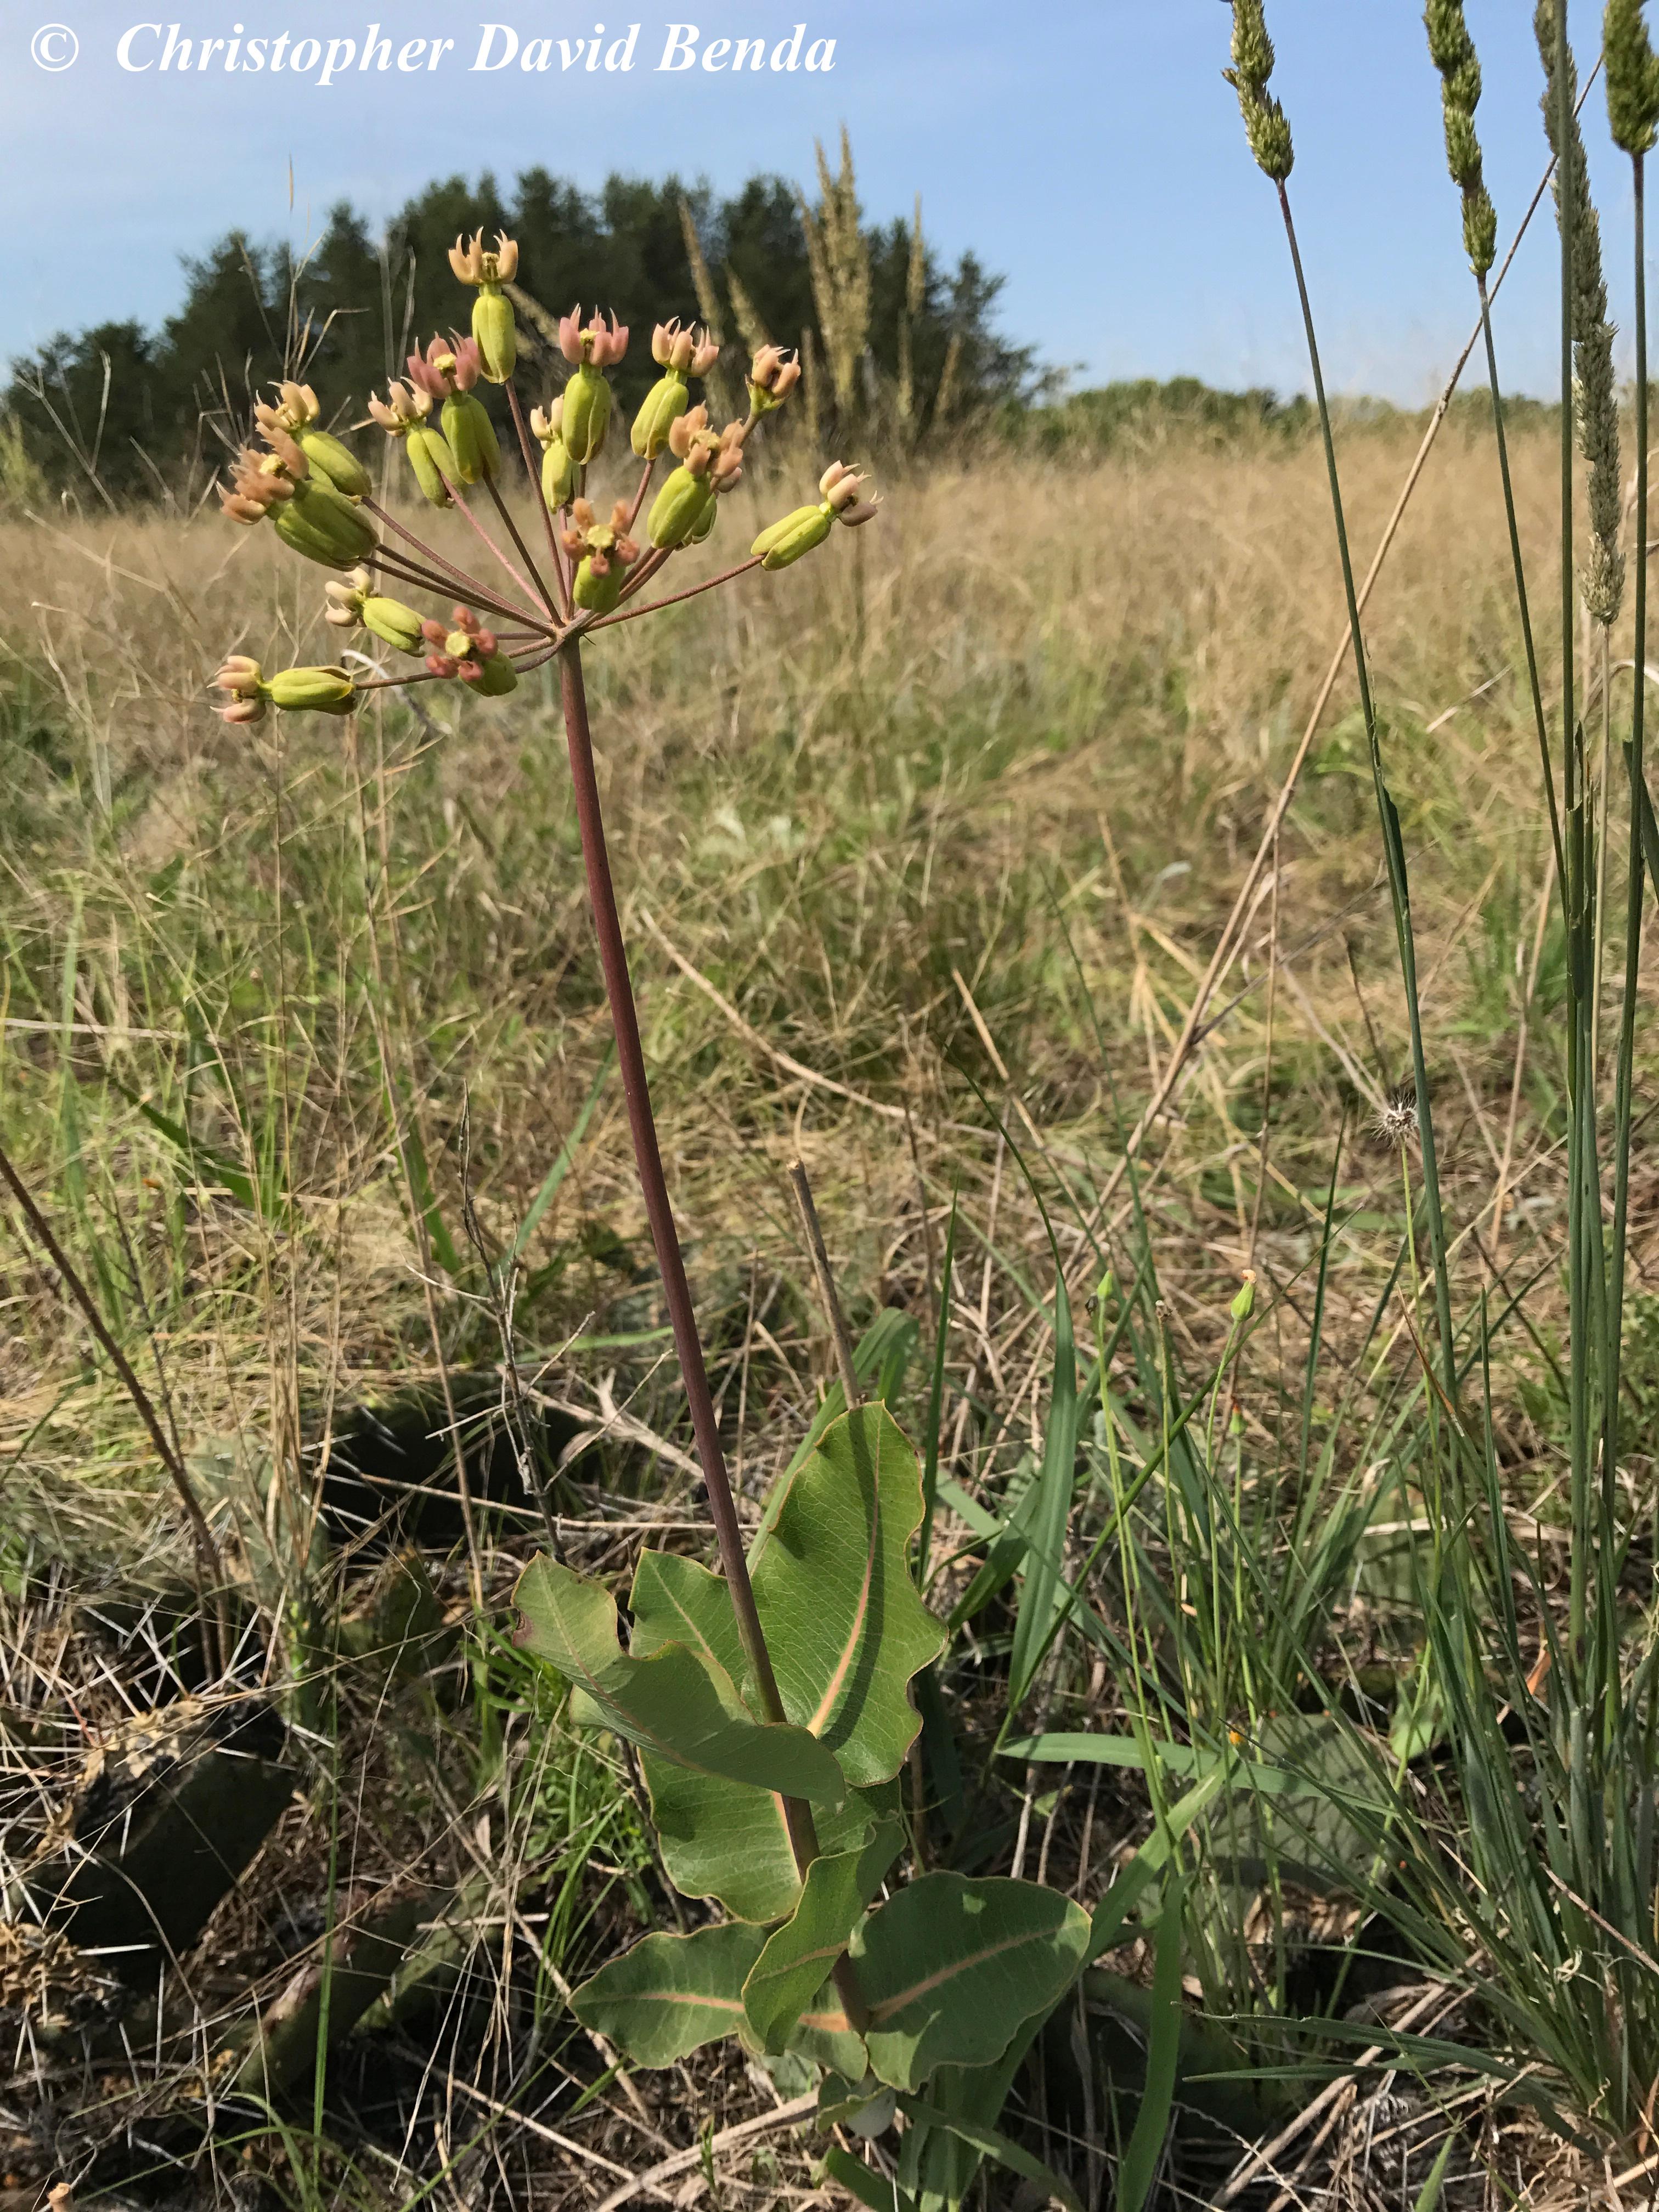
{"x":888,"y":2006}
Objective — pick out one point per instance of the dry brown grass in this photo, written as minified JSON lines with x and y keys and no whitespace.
{"x":856,"y":801}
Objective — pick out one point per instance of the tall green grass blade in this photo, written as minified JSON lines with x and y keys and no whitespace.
{"x":1144,"y":2153}
{"x":992,"y":2145}
{"x":936,"y":1404}
{"x":1051,"y":1511}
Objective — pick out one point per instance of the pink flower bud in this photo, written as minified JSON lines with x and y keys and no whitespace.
{"x":439,"y":664}
{"x":592,"y":346}
{"x":473,"y":265}
{"x":433,"y":632}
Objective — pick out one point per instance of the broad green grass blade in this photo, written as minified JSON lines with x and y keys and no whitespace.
{"x":1051,"y":1512}
{"x":990,"y":2144}
{"x":860,"y":2181}
{"x":936,"y":1404}
{"x":1144,"y":2151}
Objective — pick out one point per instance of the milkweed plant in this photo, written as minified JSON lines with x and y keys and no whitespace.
{"x":771,"y":1703}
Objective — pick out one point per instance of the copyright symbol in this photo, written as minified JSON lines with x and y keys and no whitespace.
{"x":54,"y":47}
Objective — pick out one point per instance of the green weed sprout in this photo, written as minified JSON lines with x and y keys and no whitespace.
{"x":771,"y":1703}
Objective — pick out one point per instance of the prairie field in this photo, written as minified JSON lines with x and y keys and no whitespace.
{"x":924,"y":848}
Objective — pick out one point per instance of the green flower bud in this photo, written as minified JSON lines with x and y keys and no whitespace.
{"x":678,"y":508}
{"x":703,"y":527}
{"x":497,"y":334}
{"x":661,"y":407}
{"x":396,"y":623}
{"x":586,"y":414}
{"x":324,"y":525}
{"x":784,"y":541}
{"x":337,"y":463}
{"x":496,"y":676}
{"x":432,"y":461}
{"x":599,"y":583}
{"x":558,"y":474}
{"x":296,"y":533}
{"x":312,"y":690}
{"x":472,"y":438}
{"x":1244,"y":1304}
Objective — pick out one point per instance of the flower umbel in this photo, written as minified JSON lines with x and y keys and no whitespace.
{"x":493,"y":326}
{"x":773,"y":375}
{"x":604,"y":553}
{"x":842,"y":500}
{"x":294,"y":690}
{"x":448,"y":371}
{"x":403,"y":414}
{"x":678,"y":353}
{"x":590,"y":348}
{"x":295,"y":414}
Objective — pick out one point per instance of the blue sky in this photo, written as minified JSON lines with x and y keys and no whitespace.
{"x":1087,"y":148}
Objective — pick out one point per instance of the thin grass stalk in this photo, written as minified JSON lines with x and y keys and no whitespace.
{"x":1621,"y":1112}
{"x":1541,"y":721}
{"x":1580,"y":1073}
{"x":1394,"y":849}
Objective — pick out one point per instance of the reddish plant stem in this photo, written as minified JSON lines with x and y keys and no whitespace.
{"x":399,"y":682}
{"x":449,"y":576}
{"x":674,"y":597}
{"x":524,"y":554}
{"x":630,"y":1059}
{"x":556,"y":551}
{"x":647,"y":568}
{"x":467,"y":587}
{"x":638,"y":497}
{"x":483,"y":537}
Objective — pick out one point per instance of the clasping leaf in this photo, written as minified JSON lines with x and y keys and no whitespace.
{"x":680,"y":1704}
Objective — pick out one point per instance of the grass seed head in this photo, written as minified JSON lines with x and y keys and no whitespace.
{"x":1632,"y":77}
{"x":1452,"y":50}
{"x":1595,"y":394}
{"x":1266,"y":125}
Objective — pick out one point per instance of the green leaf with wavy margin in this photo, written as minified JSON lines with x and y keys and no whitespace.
{"x":846,"y":1628}
{"x":791,"y":1970}
{"x":719,"y":1839}
{"x":678,"y":1703}
{"x":951,"y":1967}
{"x":672,"y":1994}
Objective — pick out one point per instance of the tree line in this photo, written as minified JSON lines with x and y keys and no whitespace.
{"x":895,"y":338}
